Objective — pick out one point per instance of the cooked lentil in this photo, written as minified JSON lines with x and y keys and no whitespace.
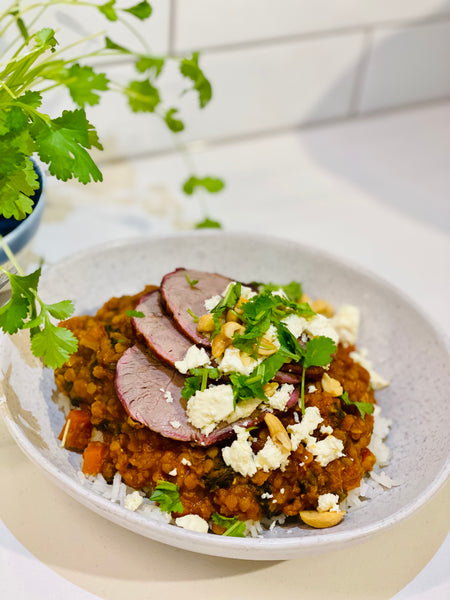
{"x":206,"y":484}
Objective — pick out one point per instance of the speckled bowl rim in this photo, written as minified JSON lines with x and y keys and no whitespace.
{"x":242,"y":548}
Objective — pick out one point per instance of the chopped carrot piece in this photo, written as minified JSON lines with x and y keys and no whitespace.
{"x":76,"y":433}
{"x":93,"y":458}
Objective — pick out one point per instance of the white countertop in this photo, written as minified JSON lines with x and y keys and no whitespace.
{"x":375,"y":191}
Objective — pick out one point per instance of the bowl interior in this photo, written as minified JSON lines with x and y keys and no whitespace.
{"x":402,"y":344}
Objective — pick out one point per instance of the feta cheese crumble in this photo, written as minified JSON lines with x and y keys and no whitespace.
{"x":206,"y":409}
{"x":324,"y":451}
{"x":194,"y":357}
{"x":346,"y":322}
{"x":280,"y":398}
{"x":133,"y":501}
{"x":328,"y":503}
{"x":240,"y":457}
{"x":232,"y":362}
{"x":193,"y":522}
{"x":376,"y":381}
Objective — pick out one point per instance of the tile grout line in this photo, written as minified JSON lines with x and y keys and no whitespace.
{"x":320,"y":34}
{"x":171,"y":30}
{"x":361,"y":71}
{"x":270,"y":133}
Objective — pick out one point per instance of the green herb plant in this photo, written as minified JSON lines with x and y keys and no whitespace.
{"x":32,"y":66}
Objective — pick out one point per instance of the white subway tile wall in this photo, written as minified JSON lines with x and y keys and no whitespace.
{"x":273,"y":65}
{"x":212,"y":23}
{"x":407,"y":66}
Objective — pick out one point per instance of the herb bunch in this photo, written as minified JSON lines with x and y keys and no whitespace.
{"x":32,"y":66}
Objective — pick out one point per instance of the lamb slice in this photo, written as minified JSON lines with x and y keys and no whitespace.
{"x":158,"y":330}
{"x":178,"y":295}
{"x":151,"y":394}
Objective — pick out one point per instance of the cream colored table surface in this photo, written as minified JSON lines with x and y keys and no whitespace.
{"x":376,"y":192}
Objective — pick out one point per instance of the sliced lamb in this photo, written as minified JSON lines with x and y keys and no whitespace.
{"x":178,"y":295}
{"x":158,"y":330}
{"x":151,"y":394}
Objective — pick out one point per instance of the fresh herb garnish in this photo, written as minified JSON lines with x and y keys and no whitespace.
{"x":232,"y":525}
{"x":318,"y":353}
{"x":364,"y":408}
{"x":135,"y":313}
{"x":263,"y":310}
{"x":198,"y":380}
{"x":26,"y":310}
{"x":251,"y":386}
{"x":167,"y":495}
{"x":191,"y":282}
{"x":292,"y":290}
{"x":193,"y":315}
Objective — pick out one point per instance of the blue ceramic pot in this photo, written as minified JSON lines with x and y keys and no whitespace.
{"x":16,"y":233}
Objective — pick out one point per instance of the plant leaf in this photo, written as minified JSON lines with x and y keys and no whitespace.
{"x":108,"y":11}
{"x":208,"y":224}
{"x":62,"y":144}
{"x":82,"y":81}
{"x":210,"y":184}
{"x":167,"y":495}
{"x":190,"y":69}
{"x":173,"y":124}
{"x":142,"y":96}
{"x":53,"y":344}
{"x":142,"y":10}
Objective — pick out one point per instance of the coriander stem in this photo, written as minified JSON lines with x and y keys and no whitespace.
{"x":302,"y":392}
{"x":12,"y":259}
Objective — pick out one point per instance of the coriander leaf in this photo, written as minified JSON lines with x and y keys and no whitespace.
{"x":293,"y":291}
{"x":142,"y":96}
{"x":14,"y":313}
{"x":208,"y":224}
{"x":33,"y":99}
{"x":191,"y":282}
{"x":230,"y":298}
{"x":60,"y":310}
{"x":62,"y":144}
{"x":210,"y":184}
{"x":199,"y":380}
{"x":232,"y":525}
{"x":108,"y":10}
{"x":364,"y":408}
{"x":110,"y":45}
{"x":82,"y":81}
{"x":190,"y":69}
{"x":150,"y":63}
{"x":54,"y":344}
{"x":318,"y":352}
{"x":167,"y":495}
{"x":191,"y":386}
{"x":46,"y":37}
{"x":135,"y":313}
{"x":18,"y":181}
{"x":174,"y":125}
{"x":289,"y":343}
{"x":142,"y":10}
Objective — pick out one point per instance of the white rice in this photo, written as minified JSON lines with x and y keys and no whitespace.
{"x":372,"y":485}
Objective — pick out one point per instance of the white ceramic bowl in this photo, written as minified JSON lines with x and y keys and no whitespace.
{"x":402,"y":343}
